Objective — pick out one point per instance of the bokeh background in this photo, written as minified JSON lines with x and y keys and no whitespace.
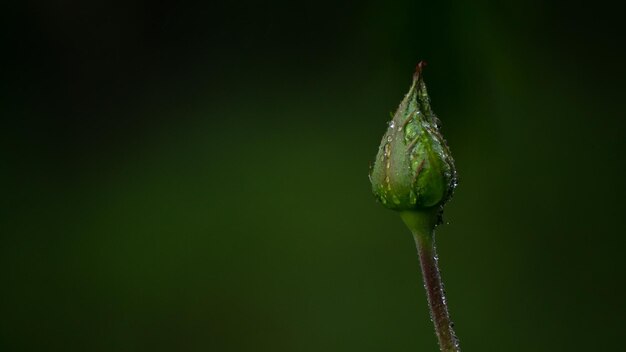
{"x":193,"y":177}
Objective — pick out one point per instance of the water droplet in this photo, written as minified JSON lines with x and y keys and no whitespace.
{"x":387,"y":150}
{"x":389,"y":138}
{"x":392,"y":124}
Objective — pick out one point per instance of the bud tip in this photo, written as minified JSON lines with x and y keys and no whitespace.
{"x":418,"y":69}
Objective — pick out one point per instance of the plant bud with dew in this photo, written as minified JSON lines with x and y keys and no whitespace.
{"x":413,"y":169}
{"x":414,"y":174}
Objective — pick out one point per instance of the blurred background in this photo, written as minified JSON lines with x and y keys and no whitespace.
{"x":193,"y":177}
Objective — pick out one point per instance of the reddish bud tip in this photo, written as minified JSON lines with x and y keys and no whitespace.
{"x":418,"y":69}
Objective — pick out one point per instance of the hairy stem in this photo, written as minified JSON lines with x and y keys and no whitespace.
{"x":422,"y":225}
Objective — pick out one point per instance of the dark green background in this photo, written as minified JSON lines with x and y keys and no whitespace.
{"x":194,"y":177}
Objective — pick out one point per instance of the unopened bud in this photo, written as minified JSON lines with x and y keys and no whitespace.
{"x":413,"y":169}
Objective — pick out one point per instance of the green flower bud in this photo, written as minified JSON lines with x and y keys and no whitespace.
{"x":414,"y":168}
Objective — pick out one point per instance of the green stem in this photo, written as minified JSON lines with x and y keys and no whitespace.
{"x":422,"y":225}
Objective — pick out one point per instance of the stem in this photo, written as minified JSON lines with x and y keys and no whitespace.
{"x":422,"y":225}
